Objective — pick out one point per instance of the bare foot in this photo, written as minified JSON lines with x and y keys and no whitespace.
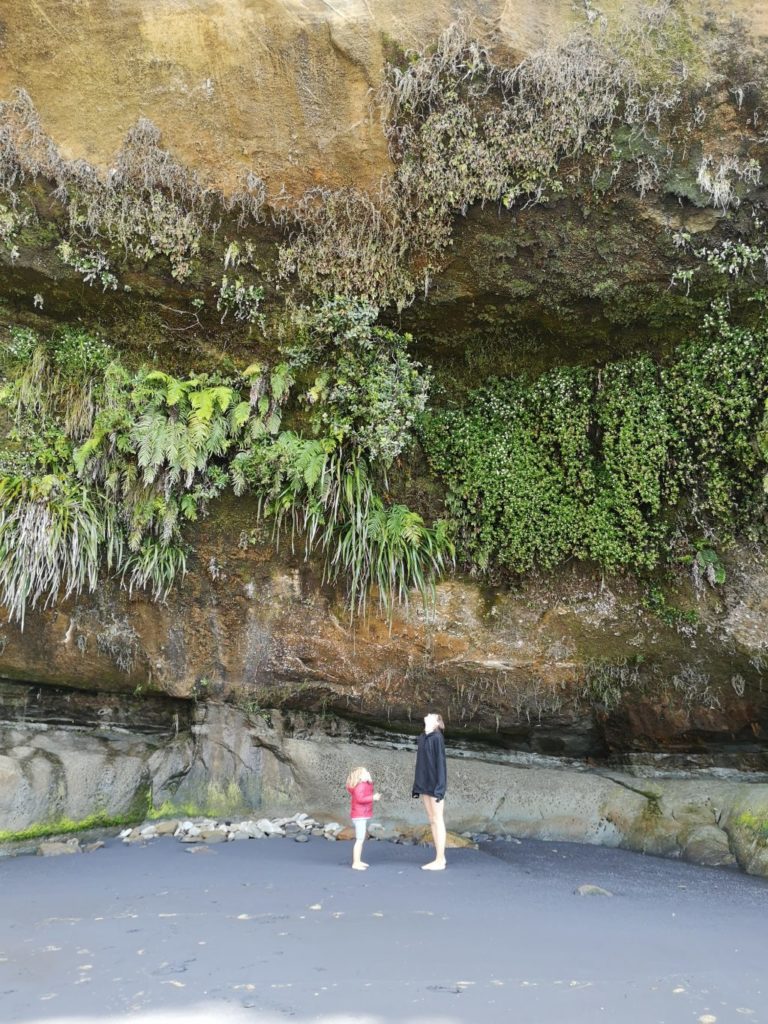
{"x":434,"y":865}
{"x":364,"y":864}
{"x":359,"y":867}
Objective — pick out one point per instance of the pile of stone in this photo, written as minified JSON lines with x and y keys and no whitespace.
{"x":299,"y":827}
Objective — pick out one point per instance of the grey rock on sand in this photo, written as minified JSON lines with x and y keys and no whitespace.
{"x":708,"y":845}
{"x":211,"y":835}
{"x":55,"y":848}
{"x":166,"y":828}
{"x":93,"y":847}
{"x":591,"y":890}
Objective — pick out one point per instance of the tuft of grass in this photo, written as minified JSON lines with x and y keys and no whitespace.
{"x":50,"y":537}
{"x":323,"y":491}
{"x":64,"y":826}
{"x":757,"y":826}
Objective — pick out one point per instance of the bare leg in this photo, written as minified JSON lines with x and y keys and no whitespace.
{"x":357,"y":850}
{"x":435,"y":811}
{"x":429,"y":808}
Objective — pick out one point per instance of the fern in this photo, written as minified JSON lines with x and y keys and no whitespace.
{"x":324,"y":492}
{"x":135,"y":455}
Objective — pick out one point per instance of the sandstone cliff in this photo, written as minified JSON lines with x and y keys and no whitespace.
{"x":575,"y":662}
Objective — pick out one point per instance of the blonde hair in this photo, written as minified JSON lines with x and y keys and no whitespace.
{"x":357,"y":775}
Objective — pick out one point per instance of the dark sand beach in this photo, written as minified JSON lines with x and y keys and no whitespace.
{"x":272,"y":930}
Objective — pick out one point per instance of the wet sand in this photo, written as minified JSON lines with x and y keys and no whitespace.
{"x":272,"y":930}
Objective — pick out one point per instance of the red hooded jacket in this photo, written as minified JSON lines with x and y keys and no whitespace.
{"x":362,"y":800}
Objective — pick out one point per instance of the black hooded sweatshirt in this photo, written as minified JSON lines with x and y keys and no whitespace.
{"x":430,"y":766}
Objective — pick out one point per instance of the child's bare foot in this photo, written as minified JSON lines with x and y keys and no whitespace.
{"x":364,"y":864}
{"x":359,"y":867}
{"x":434,"y":865}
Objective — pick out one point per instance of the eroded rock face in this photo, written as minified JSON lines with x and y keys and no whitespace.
{"x":229,"y":763}
{"x":279,"y":86}
{"x":571,"y":665}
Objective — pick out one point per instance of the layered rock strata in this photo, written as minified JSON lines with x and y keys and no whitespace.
{"x":230,"y":763}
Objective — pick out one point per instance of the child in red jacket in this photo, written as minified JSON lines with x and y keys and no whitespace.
{"x":360,"y":788}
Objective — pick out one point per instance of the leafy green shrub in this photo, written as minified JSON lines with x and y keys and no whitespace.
{"x":368,"y":392}
{"x":18,"y":349}
{"x":612,"y":465}
{"x":518,"y":468}
{"x":633,"y":489}
{"x":713,"y":390}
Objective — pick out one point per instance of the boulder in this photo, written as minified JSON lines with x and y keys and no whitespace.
{"x":453,"y":841}
{"x":55,"y":848}
{"x":708,"y":845}
{"x":591,"y":890}
{"x":213,"y":835}
{"x":747,"y":827}
{"x":268,"y":827}
{"x":249,"y":830}
{"x":166,"y":828}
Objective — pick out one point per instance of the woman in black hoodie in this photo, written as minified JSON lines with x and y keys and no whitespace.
{"x":429,"y":783}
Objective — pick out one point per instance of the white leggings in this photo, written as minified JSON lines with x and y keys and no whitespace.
{"x":361,"y":828}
